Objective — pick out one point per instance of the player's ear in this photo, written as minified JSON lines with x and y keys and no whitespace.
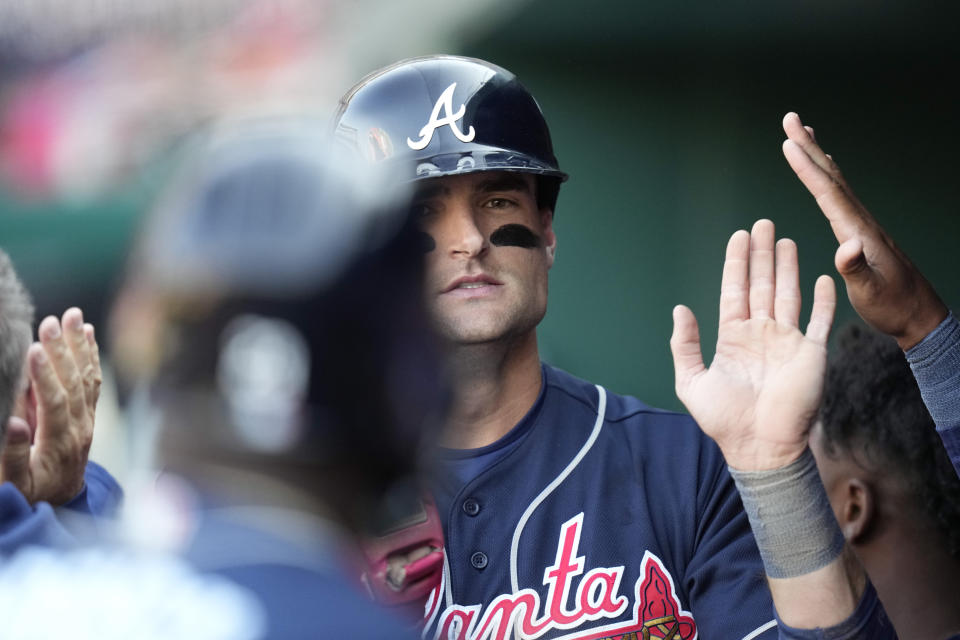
{"x":549,"y":237}
{"x":857,"y":512}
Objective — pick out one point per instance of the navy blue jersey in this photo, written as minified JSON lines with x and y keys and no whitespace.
{"x":23,"y":524}
{"x":101,"y":496}
{"x":608,"y":517}
{"x":598,"y":517}
{"x":300,"y":572}
{"x":230,"y":573}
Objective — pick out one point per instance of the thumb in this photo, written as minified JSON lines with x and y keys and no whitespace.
{"x":851,"y":262}
{"x":15,"y":455}
{"x":685,"y":347}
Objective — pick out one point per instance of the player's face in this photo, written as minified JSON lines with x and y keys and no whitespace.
{"x":492,"y":248}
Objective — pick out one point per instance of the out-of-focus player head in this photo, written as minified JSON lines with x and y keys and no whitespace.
{"x":477,"y":147}
{"x":16,"y":331}
{"x":286,"y":333}
{"x":887,"y":474}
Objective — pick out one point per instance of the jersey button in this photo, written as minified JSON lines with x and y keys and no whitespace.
{"x":478,"y":560}
{"x":471,"y":507}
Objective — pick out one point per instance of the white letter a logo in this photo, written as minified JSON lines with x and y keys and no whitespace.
{"x":445,"y":102}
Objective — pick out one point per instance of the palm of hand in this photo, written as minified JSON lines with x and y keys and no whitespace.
{"x":760,"y":394}
{"x":758,"y":398}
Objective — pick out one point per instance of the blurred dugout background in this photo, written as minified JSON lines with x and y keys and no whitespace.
{"x":666,"y":115}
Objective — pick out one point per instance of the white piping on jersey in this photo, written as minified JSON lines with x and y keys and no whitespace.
{"x":601,"y":412}
{"x":448,"y":591}
{"x":756,"y":632}
{"x":444,"y":589}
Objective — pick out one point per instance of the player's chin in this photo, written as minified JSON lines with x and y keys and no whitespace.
{"x":472,"y":334}
{"x":472,"y":326}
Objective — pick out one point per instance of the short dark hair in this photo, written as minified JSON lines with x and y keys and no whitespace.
{"x":872,"y":411}
{"x":16,"y":332}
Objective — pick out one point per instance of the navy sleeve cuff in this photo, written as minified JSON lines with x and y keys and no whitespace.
{"x":936,"y":366}
{"x":101,"y":495}
{"x":868,"y":622}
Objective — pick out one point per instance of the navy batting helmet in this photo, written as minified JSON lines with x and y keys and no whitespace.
{"x":443,"y":115}
{"x":291,"y":288}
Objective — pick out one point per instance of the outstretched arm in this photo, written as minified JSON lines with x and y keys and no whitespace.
{"x":758,"y":400}
{"x":885,"y":288}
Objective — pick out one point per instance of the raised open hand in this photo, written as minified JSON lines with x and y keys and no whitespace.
{"x":884,"y":287}
{"x":65,"y":376}
{"x":759,"y":396}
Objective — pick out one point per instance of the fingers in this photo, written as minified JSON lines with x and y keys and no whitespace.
{"x":93,"y":379}
{"x":76,"y":339}
{"x":75,"y":334}
{"x":803,"y":137}
{"x":824,"y":306}
{"x":762,"y":276}
{"x":59,"y":342}
{"x":786,"y":304}
{"x":734,"y":302}
{"x":90,"y":333}
{"x":52,"y":402}
{"x":685,"y":347}
{"x":822,"y":178}
{"x":15,"y":455}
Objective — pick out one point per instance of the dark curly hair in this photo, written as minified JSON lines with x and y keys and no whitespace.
{"x":872,"y":411}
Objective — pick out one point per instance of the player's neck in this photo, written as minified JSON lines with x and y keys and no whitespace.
{"x":915,"y":577}
{"x":494,"y":386}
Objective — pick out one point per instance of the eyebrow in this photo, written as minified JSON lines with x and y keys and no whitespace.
{"x":504,"y":182}
{"x":430,"y":190}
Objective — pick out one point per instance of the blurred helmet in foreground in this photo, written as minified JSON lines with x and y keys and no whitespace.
{"x":289,"y":287}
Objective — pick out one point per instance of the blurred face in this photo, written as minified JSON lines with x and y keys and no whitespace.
{"x":491,"y":250}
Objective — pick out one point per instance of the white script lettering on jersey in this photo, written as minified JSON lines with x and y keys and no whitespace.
{"x":657,"y":612}
{"x":445,"y":102}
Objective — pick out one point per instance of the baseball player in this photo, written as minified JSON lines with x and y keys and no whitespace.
{"x":893,"y":490}
{"x":884,"y":469}
{"x":569,"y":511}
{"x":296,"y":370}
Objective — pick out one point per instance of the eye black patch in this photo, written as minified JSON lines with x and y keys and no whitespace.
{"x":426,"y":242}
{"x":515,"y":235}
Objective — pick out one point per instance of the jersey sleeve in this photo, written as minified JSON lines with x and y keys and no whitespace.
{"x":936,"y":366}
{"x":868,"y":622}
{"x":23,"y":524}
{"x":101,"y":495}
{"x":725,"y":577}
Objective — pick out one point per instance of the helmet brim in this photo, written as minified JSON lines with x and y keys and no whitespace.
{"x":482,"y":158}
